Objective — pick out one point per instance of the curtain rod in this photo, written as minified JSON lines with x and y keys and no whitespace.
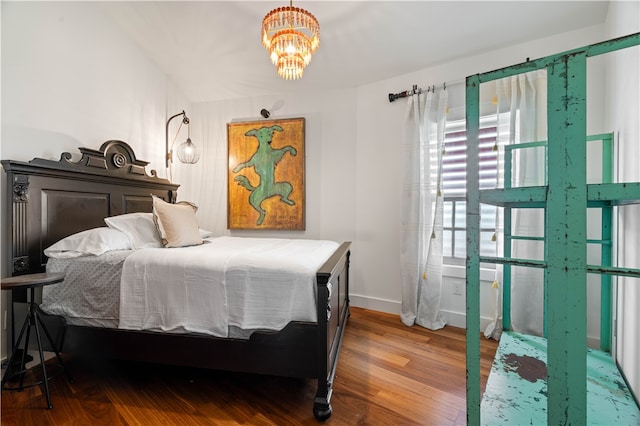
{"x":415,"y":90}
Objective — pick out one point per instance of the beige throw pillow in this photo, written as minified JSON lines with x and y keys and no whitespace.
{"x":176,"y":223}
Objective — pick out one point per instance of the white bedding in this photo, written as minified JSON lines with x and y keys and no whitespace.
{"x":228,"y":281}
{"x":90,"y":292}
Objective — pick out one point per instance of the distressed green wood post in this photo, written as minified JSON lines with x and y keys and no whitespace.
{"x":473,"y":250}
{"x":606,"y":248}
{"x":506,"y":248}
{"x":506,"y":272}
{"x":566,"y":247}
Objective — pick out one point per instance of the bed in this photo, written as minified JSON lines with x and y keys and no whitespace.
{"x":48,"y":200}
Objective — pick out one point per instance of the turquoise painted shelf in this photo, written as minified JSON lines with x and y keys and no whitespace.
{"x":553,"y":379}
{"x":516,"y":392}
{"x":598,"y":195}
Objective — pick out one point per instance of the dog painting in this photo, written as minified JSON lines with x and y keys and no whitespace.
{"x":266,"y":174}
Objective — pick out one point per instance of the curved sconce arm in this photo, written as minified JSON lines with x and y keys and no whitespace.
{"x":168,"y":154}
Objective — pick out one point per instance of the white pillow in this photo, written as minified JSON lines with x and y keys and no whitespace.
{"x":91,"y":242}
{"x":176,"y":223}
{"x":205,"y":233}
{"x":139,"y":227}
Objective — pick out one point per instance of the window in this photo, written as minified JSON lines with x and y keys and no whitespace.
{"x":454,"y":187}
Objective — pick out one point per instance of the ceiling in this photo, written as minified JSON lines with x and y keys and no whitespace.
{"x":213,"y":50}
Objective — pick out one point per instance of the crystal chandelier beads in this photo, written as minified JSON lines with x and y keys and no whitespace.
{"x":291,"y":35}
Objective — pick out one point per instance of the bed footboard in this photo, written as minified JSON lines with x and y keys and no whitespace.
{"x":333,"y":287}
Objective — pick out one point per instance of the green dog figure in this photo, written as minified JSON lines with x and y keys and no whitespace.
{"x":264,"y":162}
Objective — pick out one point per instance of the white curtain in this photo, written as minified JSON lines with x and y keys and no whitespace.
{"x":525,"y":97}
{"x":422,"y":210}
{"x":494,"y":328}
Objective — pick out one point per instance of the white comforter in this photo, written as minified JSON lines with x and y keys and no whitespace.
{"x":228,"y":281}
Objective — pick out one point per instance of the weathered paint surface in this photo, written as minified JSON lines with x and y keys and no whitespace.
{"x":566,"y":233}
{"x":516,"y":391}
{"x":566,"y":198}
{"x":473,"y":253}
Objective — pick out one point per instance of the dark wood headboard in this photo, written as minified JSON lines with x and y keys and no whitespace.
{"x":48,"y":200}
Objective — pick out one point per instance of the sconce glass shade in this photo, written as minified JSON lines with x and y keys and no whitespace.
{"x":188,"y":153}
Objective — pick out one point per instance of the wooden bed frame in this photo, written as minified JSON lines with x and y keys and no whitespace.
{"x":48,"y":200}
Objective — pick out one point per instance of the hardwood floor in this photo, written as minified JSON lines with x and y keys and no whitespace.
{"x":388,"y":374}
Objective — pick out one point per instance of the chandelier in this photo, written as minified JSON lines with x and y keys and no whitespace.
{"x":291,"y":36}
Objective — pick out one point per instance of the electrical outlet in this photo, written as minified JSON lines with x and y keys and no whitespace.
{"x":458,"y":288}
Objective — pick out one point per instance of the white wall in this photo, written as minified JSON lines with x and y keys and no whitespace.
{"x":71,"y":79}
{"x":623,"y":115}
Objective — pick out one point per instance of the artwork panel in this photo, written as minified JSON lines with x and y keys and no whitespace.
{"x":266,"y":186}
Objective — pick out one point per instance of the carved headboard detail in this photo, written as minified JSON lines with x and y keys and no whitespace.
{"x":114,"y":158}
{"x":48,"y":200}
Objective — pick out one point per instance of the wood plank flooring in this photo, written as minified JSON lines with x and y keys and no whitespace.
{"x":388,"y":374}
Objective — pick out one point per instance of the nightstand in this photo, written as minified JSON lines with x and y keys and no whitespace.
{"x":31,"y":282}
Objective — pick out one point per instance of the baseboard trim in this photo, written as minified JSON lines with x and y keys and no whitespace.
{"x":458,"y":319}
{"x":375,"y":304}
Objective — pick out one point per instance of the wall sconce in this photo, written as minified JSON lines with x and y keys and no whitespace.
{"x":187,"y":152}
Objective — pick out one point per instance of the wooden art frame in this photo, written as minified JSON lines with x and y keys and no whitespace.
{"x":266,"y":179}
